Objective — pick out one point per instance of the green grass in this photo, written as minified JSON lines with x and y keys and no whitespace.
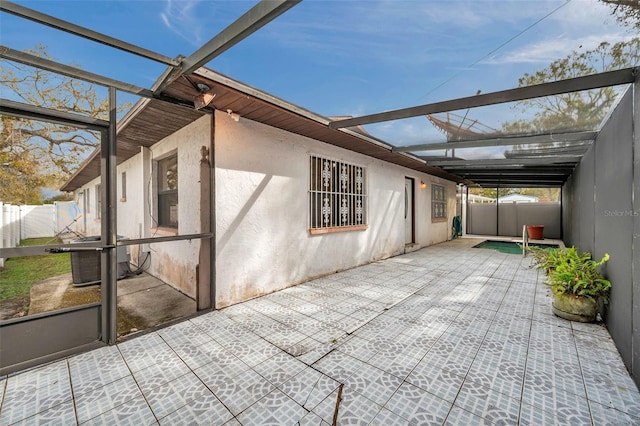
{"x":20,"y":273}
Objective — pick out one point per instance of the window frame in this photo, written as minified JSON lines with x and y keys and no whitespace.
{"x":338,"y":196}
{"x":98,"y":197}
{"x":87,"y":201}
{"x":166,"y":194}
{"x":123,"y":187}
{"x":438,"y":203}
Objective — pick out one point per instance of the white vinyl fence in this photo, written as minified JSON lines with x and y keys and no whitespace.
{"x":507,"y":219}
{"x":18,"y":223}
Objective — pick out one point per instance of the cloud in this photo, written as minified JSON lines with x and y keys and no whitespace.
{"x":548,"y":50}
{"x":181,"y":18}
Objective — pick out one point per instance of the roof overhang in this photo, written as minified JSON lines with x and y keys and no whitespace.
{"x":152,"y":120}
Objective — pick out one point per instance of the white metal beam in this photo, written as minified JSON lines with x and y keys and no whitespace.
{"x":48,"y":65}
{"x":539,"y":161}
{"x":33,"y":112}
{"x":547,"y":138}
{"x":257,"y":17}
{"x":594,"y":81}
{"x":41,"y":18}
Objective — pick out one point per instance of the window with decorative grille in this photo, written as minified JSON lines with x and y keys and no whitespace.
{"x":337,"y":195}
{"x":438,"y":202}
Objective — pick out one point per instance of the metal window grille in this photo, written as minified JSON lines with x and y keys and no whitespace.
{"x":438,"y":202}
{"x":337,"y":194}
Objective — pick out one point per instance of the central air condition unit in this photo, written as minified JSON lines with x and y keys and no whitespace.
{"x":85,"y":264}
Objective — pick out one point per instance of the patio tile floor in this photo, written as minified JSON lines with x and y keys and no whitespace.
{"x":447,"y":335}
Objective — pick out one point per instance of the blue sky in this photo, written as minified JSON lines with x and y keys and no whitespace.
{"x":337,"y":57}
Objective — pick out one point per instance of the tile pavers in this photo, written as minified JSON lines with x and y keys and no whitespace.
{"x":447,"y":335}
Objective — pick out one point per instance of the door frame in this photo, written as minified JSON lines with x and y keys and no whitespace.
{"x":413,"y":208}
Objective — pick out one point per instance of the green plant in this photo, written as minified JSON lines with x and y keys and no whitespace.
{"x":575,"y":273}
{"x":543,"y":258}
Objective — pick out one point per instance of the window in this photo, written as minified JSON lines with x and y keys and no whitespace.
{"x":337,"y":196}
{"x":98,"y":202}
{"x":438,"y":203}
{"x":123,"y":183}
{"x":168,"y":192}
{"x":87,"y":201}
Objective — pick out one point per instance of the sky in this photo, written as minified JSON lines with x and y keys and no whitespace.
{"x":338,"y":57}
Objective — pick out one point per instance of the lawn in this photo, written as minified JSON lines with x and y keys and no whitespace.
{"x":20,"y":273}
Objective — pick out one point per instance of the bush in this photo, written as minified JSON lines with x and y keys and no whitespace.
{"x":575,"y":273}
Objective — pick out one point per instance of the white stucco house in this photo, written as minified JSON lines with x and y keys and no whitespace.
{"x":292,"y":198}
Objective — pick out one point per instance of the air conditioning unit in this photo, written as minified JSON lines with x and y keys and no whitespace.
{"x":86,"y":267}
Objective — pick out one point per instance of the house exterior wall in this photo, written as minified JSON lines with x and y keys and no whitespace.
{"x":263,"y":242}
{"x":90,"y":223}
{"x":173,"y":262}
{"x":603,"y":216}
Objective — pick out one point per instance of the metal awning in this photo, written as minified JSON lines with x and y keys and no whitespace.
{"x":544,"y":158}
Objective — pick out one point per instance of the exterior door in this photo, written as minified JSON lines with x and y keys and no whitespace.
{"x":408,"y":211}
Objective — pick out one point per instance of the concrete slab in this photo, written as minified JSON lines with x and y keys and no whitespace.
{"x":153,"y":300}
{"x":144,"y":298}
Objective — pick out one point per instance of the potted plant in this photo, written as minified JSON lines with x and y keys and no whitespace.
{"x":535,"y":232}
{"x":543,"y":258}
{"x":577,"y":285}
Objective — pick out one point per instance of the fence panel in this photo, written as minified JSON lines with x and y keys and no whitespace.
{"x":9,"y":227}
{"x":37,"y":221}
{"x":484,"y":218}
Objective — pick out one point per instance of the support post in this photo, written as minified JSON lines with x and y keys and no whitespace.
{"x":108,"y":222}
{"x":203,"y":290}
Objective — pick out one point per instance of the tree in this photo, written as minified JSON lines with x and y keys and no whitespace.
{"x":578,"y":110}
{"x":627,"y":11}
{"x":35,"y":154}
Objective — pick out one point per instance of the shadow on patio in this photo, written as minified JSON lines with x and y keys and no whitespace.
{"x":445,"y":335}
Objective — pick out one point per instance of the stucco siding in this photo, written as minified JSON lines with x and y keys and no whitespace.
{"x":262,"y":211}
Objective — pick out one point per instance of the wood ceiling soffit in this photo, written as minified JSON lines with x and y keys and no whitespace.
{"x":274,"y":115}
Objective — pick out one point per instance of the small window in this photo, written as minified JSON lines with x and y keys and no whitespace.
{"x":168,"y":192}
{"x":98,"y":202}
{"x":337,"y":196}
{"x":438,"y":203}
{"x":123,"y":188}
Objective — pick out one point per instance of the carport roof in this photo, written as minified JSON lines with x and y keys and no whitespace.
{"x":490,"y":157}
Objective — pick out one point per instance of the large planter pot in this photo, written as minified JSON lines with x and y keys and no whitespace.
{"x":575,"y":308}
{"x":535,"y":231}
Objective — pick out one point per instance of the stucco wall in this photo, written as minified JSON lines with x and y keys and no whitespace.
{"x":89,"y":224}
{"x":175,"y":262}
{"x":172,"y":262}
{"x":263,"y":241}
